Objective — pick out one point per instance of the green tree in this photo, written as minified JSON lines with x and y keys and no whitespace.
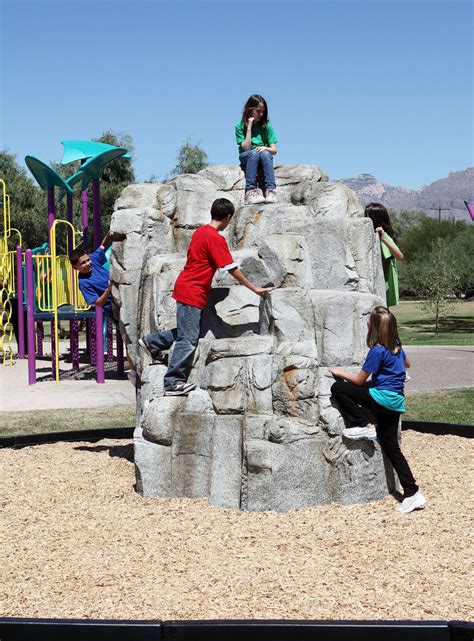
{"x":28,"y":203}
{"x":191,"y":159}
{"x":439,"y":282}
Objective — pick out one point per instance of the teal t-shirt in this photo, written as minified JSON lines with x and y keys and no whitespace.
{"x":389,"y":264}
{"x":261,"y":136}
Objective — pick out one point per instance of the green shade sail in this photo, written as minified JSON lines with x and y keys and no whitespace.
{"x":46,"y":176}
{"x":82,"y":149}
{"x":92,"y":168}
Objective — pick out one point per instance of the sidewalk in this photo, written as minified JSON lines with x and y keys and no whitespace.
{"x":17,"y":396}
{"x":440,"y":367}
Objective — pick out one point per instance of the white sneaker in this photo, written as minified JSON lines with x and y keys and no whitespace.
{"x":407,"y":377}
{"x":270,"y":196}
{"x":415,"y":502}
{"x":132,"y":377}
{"x":254,"y":197}
{"x":180,"y":389}
{"x":368,"y":432}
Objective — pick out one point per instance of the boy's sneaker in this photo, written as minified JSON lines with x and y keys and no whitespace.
{"x":368,"y":432}
{"x":270,"y":196}
{"x":144,"y":346}
{"x":161,"y":357}
{"x":407,"y":377}
{"x":415,"y":502}
{"x":179,"y":389}
{"x":254,"y":197}
{"x":132,"y":377}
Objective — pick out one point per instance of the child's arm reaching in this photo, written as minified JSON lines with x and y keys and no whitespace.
{"x":393,"y":248}
{"x":357,"y":379}
{"x":241,"y":278}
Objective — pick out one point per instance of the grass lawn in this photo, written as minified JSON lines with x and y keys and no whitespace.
{"x":441,"y":406}
{"x":445,"y":406}
{"x":17,"y":423}
{"x":417,"y":327}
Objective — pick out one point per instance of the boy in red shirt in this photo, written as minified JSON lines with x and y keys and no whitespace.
{"x":208,"y":251}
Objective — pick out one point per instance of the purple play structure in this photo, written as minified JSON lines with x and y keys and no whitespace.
{"x":34,"y":274}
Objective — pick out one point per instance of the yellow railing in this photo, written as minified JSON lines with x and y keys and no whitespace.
{"x":65,"y":289}
{"x":7,"y":281}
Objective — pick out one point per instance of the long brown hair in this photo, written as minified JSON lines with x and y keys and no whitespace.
{"x":383,"y":329}
{"x":251,"y":103}
{"x":378,"y":214}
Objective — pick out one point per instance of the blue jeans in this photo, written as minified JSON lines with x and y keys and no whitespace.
{"x":249,"y":161}
{"x":186,"y":335}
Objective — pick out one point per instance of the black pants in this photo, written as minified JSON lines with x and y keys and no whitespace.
{"x":358,"y":408}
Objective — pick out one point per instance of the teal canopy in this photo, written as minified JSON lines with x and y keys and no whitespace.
{"x":83,"y":149}
{"x":92,"y":168}
{"x":71,"y":181}
{"x":46,"y":176}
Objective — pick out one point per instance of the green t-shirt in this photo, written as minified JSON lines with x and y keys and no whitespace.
{"x":389,"y":264}
{"x":261,"y":136}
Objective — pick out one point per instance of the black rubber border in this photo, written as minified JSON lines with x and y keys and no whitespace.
{"x":19,"y":629}
{"x":455,"y":429}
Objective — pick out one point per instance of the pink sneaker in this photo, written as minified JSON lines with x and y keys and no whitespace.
{"x":254,"y":197}
{"x":271,"y":196}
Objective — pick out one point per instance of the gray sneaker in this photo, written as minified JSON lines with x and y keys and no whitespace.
{"x":159,"y":356}
{"x":368,"y":432}
{"x":254,"y":197}
{"x":179,"y":389}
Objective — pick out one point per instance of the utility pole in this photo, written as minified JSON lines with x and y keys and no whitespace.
{"x":439,"y":209}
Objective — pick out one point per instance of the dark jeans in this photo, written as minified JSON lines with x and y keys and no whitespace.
{"x":249,"y":162}
{"x":186,"y":336}
{"x":358,"y":408}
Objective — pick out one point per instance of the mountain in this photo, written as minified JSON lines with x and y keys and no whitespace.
{"x":449,"y":192}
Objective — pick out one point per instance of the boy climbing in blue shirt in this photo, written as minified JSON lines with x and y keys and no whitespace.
{"x":94,"y":282}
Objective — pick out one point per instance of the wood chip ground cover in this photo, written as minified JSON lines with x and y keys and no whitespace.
{"x":78,"y":541}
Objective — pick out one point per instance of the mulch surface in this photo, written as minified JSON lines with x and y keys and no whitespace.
{"x":78,"y":541}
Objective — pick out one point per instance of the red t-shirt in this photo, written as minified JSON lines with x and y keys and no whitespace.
{"x":207,"y":252}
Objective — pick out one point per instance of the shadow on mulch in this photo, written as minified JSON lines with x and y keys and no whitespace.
{"x":120,"y":451}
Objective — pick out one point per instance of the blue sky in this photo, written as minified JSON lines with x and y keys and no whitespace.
{"x":384,"y":87}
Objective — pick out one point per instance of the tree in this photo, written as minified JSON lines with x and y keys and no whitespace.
{"x":191,"y":159}
{"x":439,"y":283}
{"x":28,"y":203}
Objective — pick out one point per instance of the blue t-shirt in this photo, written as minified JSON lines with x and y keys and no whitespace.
{"x":388,"y":377}
{"x":94,"y":284}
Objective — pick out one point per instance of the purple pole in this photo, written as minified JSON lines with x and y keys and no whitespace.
{"x":74,"y":343}
{"x":30,"y":318}
{"x":19,"y":291}
{"x":53,"y":348}
{"x":69,"y":216}
{"x":110,"y":340}
{"x":99,"y":336}
{"x":51,"y":211}
{"x":119,"y":342}
{"x":85,"y":221}
{"x":96,"y":213}
{"x":40,"y":335}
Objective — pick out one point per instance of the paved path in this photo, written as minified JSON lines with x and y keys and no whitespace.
{"x":432,"y":368}
{"x":16,"y":395}
{"x":440,"y":367}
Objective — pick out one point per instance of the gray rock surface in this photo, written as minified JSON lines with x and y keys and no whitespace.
{"x":260,"y":432}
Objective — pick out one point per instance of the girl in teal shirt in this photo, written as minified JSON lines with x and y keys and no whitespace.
{"x":382,"y":400}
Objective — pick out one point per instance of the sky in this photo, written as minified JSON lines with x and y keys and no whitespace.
{"x":380,"y":86}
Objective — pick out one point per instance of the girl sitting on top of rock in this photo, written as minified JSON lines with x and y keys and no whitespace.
{"x":383,"y":400}
{"x":257,"y":146}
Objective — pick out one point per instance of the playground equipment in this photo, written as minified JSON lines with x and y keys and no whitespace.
{"x":43,"y":281}
{"x":7,"y":281}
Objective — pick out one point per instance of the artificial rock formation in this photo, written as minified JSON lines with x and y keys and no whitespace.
{"x":260,"y":432}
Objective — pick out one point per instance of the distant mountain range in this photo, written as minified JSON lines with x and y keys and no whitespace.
{"x":450,"y":192}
